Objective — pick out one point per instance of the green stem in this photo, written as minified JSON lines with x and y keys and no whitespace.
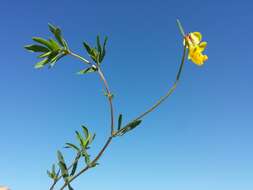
{"x":107,"y":143}
{"x":79,"y":57}
{"x":171,"y":90}
{"x":109,"y":96}
{"x":180,"y":27}
{"x":112,"y":125}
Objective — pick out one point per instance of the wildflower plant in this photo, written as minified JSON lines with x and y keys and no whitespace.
{"x":52,"y":50}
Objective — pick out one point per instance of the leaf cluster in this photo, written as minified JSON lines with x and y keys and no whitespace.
{"x":98,"y":52}
{"x":51,"y":49}
{"x":85,"y":139}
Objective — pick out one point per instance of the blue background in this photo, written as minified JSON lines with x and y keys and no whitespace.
{"x":200,"y":139}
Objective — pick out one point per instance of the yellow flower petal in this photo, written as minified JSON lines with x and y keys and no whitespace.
{"x":195,"y":37}
{"x":202,"y":46}
{"x":196,"y":56}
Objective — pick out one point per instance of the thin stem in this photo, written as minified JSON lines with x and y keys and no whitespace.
{"x":79,"y":57}
{"x":107,"y":143}
{"x":171,"y":90}
{"x":180,"y":28}
{"x":109,"y":95}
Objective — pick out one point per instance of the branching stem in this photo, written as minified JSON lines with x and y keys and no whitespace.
{"x":109,"y":96}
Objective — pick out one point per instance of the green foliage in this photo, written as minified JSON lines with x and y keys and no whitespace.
{"x":130,"y":126}
{"x":62,"y":165}
{"x":85,"y":138}
{"x":52,"y":51}
{"x":74,"y":167}
{"x":88,"y":70}
{"x":120,"y":122}
{"x":52,"y":174}
{"x":37,"y":48}
{"x":97,"y":53}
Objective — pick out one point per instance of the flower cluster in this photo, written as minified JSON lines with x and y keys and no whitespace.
{"x":196,"y":47}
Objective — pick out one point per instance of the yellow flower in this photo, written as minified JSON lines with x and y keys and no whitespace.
{"x":196,"y":47}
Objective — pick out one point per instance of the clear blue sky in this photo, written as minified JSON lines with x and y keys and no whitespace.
{"x":200,"y":139}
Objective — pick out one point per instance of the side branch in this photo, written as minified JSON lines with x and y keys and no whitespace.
{"x":171,"y":90}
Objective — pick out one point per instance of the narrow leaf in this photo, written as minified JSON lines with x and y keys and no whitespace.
{"x":99,"y":45}
{"x":41,"y":64}
{"x":75,"y":164}
{"x":44,"y":54}
{"x":55,"y":59}
{"x":36,"y":48}
{"x":87,"y":47}
{"x":44,"y":42}
{"x":54,"y":44}
{"x":85,"y":131}
{"x":86,"y":157}
{"x":70,"y":145}
{"x":62,"y":165}
{"x":88,"y":70}
{"x":49,"y":174}
{"x":119,"y":121}
{"x":104,"y":50}
{"x":79,"y":138}
{"x":57,"y":33}
{"x":129,"y":127}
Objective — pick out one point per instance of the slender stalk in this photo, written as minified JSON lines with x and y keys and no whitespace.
{"x":107,"y":143}
{"x":171,"y":90}
{"x":79,"y":57}
{"x":181,"y":29}
{"x":109,"y":95}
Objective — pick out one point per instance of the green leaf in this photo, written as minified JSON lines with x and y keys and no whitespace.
{"x":44,"y":54}
{"x":119,"y":121}
{"x":92,"y":138}
{"x":70,"y":145}
{"x":57,"y":33}
{"x":65,"y":44}
{"x":94,"y":55}
{"x":129,"y":127}
{"x":55,"y":59}
{"x":88,"y":70}
{"x":85,"y":131}
{"x":41,"y":64}
{"x":54,"y":44}
{"x":86,"y":157}
{"x":52,"y":28}
{"x":81,"y":140}
{"x":87,"y":137}
{"x":99,"y":48}
{"x":87,"y":47}
{"x":92,"y":165}
{"x":75,"y":164}
{"x":36,"y":48}
{"x":49,"y":174}
{"x":43,"y":42}
{"x":62,"y":165}
{"x":53,"y":169}
{"x":104,"y":49}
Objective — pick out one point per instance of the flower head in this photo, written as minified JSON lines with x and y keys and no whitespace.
{"x":196,"y":47}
